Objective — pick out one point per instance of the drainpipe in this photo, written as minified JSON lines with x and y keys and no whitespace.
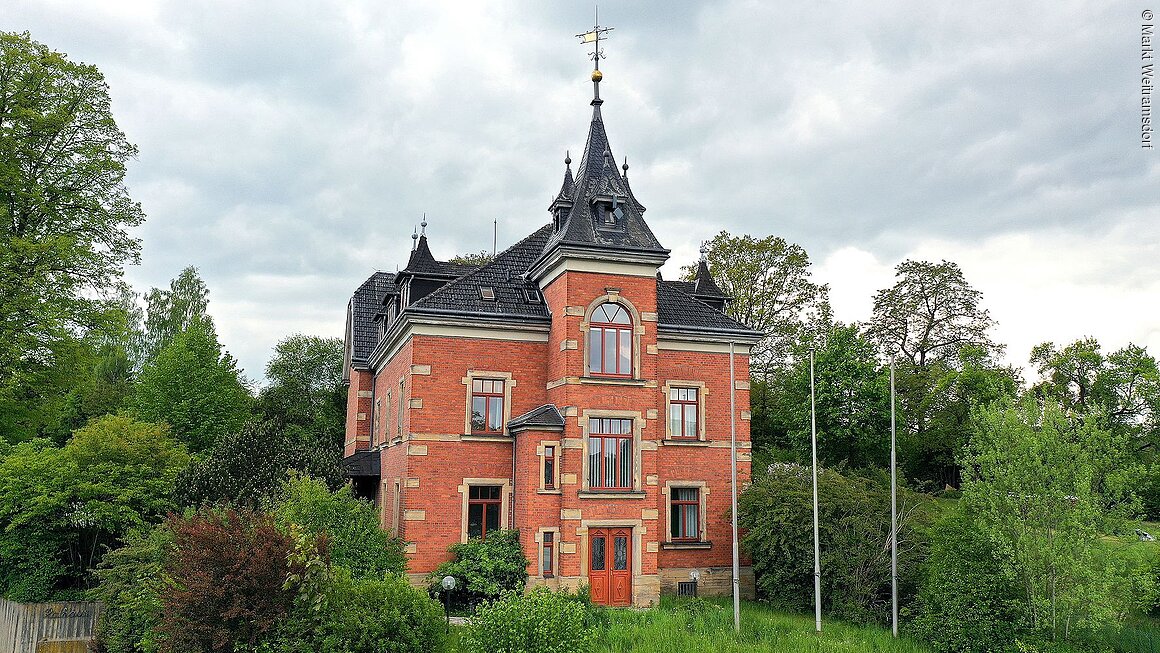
{"x":512,"y":500}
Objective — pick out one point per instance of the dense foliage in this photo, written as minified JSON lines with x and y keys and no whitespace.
{"x":484,"y":569}
{"x":776,"y":513}
{"x":541,"y":620}
{"x":130,"y":589}
{"x":306,"y":394}
{"x":249,"y":466}
{"x":65,"y":211}
{"x":193,"y":386}
{"x":61,"y":508}
{"x":351,"y":526}
{"x":225,"y":582}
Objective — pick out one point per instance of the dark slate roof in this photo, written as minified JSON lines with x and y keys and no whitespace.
{"x":364,"y":306}
{"x":598,"y":175}
{"x":703,"y":283}
{"x":362,"y":463}
{"x":422,"y":262}
{"x":503,"y":276}
{"x":676,"y":309}
{"x":544,"y":417}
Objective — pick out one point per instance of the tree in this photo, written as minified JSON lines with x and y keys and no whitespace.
{"x":853,"y":403}
{"x":64,"y":208}
{"x":250,"y":465}
{"x":306,"y":389}
{"x":169,"y":312}
{"x":1043,"y":487}
{"x":769,"y":282}
{"x":194,"y":387}
{"x":62,"y":507}
{"x":929,"y":314}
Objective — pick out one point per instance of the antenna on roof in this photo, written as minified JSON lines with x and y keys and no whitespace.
{"x":494,"y":235}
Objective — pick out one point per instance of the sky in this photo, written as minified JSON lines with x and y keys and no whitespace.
{"x":289,"y":148}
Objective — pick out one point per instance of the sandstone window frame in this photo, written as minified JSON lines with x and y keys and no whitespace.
{"x":468,"y":382}
{"x":635,"y":329}
{"x":541,"y":453}
{"x":702,"y":541}
{"x":541,"y":550}
{"x":702,"y":396}
{"x":635,"y":489}
{"x":464,"y":490}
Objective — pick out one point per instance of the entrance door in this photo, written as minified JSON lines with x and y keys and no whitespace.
{"x":610,"y":565}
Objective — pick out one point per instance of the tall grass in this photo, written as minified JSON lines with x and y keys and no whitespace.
{"x":709,"y":627}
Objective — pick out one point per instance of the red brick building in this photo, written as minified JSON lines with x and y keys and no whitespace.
{"x":563,"y":389}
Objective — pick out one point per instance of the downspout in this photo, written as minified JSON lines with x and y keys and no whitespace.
{"x":512,"y":500}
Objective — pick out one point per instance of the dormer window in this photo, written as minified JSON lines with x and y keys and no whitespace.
{"x":610,"y":213}
{"x":487,"y":292}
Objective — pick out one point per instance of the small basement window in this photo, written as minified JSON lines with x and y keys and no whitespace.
{"x":487,"y":293}
{"x":532,"y":295}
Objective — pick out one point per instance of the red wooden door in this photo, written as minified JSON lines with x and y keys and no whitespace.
{"x":610,"y":565}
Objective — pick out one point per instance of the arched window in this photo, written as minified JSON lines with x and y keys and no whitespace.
{"x":610,"y":341}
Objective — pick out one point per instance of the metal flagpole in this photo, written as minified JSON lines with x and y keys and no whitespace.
{"x":893,"y":512}
{"x":733,"y":470}
{"x":817,"y":546}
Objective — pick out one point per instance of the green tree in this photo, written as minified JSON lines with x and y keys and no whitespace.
{"x":61,"y":508}
{"x":130,"y":588}
{"x":929,"y":314}
{"x":64,"y":208}
{"x":306,"y":391}
{"x":351,"y":526}
{"x":194,"y":387}
{"x":769,"y":282}
{"x":169,"y":312}
{"x":1042,"y":487}
{"x":248,"y":466}
{"x":480,"y":258}
{"x":853,"y":403}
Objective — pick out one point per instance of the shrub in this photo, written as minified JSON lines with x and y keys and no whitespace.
{"x":227,"y":580}
{"x":541,"y":620}
{"x":356,"y":542}
{"x":61,"y":508}
{"x":484,"y":569}
{"x":130,"y":588}
{"x":854,"y":518}
{"x":968,"y":601}
{"x":364,"y":616}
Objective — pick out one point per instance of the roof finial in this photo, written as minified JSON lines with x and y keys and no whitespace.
{"x":567,"y":158}
{"x":424,"y":224}
{"x":625,"y":167}
{"x":597,"y":35}
{"x":414,"y":239}
{"x":704,"y":250}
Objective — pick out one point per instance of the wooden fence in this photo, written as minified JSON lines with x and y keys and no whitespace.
{"x":47,"y":627}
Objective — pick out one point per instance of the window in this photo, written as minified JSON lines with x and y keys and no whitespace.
{"x":548,"y":557}
{"x":376,"y":421}
{"x":532,"y":295}
{"x":487,"y":398}
{"x":399,"y":417}
{"x":683,"y":412}
{"x":610,"y":341}
{"x":550,"y":467}
{"x":483,"y":505}
{"x":487,"y":292}
{"x":609,"y":453}
{"x":684,"y":514}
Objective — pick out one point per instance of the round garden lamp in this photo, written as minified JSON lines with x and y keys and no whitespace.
{"x":448,"y":585}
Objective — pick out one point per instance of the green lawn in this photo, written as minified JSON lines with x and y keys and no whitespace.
{"x":670,"y":630}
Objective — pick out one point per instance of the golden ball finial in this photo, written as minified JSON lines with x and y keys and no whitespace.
{"x":597,"y":75}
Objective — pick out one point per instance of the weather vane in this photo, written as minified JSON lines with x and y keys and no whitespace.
{"x":597,"y":35}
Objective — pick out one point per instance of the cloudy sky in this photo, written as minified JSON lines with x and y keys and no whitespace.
{"x":287,"y":149}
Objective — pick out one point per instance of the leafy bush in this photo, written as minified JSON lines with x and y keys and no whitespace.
{"x":248,"y":466}
{"x":364,"y":616}
{"x":541,"y":620}
{"x":227,"y":580}
{"x":61,"y":508}
{"x":351,"y":526}
{"x":131,"y":591}
{"x":854,"y":518}
{"x":484,"y":569}
{"x":968,"y":601}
